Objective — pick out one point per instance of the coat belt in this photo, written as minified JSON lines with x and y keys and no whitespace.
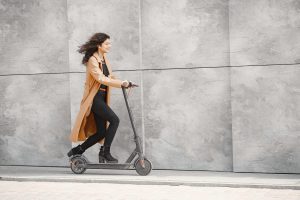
{"x":102,"y":89}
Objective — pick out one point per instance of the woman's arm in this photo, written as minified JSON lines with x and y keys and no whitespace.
{"x":113,"y":76}
{"x":93,"y":68}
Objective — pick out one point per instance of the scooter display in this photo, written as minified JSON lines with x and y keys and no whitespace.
{"x":137,"y":160}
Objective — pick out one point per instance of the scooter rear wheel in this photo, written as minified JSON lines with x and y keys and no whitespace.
{"x":143,"y":170}
{"x":78,"y":164}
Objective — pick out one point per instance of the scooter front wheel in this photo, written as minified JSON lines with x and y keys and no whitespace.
{"x":143,"y":167}
{"x":78,"y":165}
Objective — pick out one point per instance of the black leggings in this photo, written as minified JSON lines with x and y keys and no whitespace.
{"x":102,"y":113}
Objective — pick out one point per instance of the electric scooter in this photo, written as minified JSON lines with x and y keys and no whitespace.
{"x":143,"y":166}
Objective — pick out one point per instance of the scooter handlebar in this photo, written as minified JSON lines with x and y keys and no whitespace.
{"x":131,"y":84}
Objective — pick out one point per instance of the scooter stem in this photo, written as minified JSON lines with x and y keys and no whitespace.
{"x":131,"y":120}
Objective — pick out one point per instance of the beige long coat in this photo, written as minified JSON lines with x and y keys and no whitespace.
{"x":85,"y":125}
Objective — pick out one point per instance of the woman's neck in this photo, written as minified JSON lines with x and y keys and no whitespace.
{"x":100,"y":54}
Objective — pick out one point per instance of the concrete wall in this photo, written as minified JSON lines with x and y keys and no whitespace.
{"x":191,"y":109}
{"x":265,"y":97}
{"x":187,"y":109}
{"x":35,"y":93}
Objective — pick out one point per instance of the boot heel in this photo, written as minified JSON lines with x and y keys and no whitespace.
{"x":107,"y":156}
{"x":101,"y":159}
{"x":101,"y":155}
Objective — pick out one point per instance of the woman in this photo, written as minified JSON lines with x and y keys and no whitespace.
{"x":95,"y":113}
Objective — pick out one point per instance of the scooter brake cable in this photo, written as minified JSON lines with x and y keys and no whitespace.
{"x":128,"y":92}
{"x":131,"y":86}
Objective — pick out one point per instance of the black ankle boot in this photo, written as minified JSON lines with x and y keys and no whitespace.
{"x":75,"y":151}
{"x":101,"y":155}
{"x":107,"y":156}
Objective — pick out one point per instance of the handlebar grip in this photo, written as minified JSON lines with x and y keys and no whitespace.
{"x":132,"y":84}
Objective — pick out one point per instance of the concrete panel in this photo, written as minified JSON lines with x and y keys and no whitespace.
{"x":188,"y":119}
{"x":119,"y":19}
{"x":77,"y":81}
{"x":123,"y":143}
{"x":266,"y":119}
{"x":264,"y":32}
{"x":35,"y":119}
{"x":34,"y":36}
{"x":184,"y":33}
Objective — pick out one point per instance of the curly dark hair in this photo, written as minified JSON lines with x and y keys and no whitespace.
{"x":91,"y":46}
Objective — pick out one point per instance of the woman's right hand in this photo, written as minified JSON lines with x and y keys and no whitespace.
{"x":125,"y":83}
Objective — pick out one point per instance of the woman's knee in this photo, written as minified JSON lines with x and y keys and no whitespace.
{"x":99,"y":136}
{"x":115,"y":120}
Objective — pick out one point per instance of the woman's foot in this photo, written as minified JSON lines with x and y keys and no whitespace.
{"x":75,"y":151}
{"x":107,"y":156}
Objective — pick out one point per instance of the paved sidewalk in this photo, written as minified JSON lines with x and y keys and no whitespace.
{"x":156,"y":177}
{"x":15,"y":190}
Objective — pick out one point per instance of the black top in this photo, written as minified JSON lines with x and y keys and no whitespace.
{"x":105,"y":72}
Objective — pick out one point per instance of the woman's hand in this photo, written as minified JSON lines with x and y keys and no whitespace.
{"x":128,"y":84}
{"x":125,"y":83}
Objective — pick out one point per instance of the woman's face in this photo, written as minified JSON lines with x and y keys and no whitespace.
{"x":105,"y":46}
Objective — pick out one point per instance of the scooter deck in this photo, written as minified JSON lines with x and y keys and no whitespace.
{"x":90,"y":165}
{"x":109,"y":165}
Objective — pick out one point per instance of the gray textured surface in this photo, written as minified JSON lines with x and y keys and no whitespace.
{"x":119,"y":19}
{"x":265,"y":110}
{"x":34,"y":36}
{"x":265,"y":99}
{"x":187,"y":119}
{"x":35,"y":114}
{"x":264,"y":32}
{"x":35,"y":109}
{"x":184,"y":33}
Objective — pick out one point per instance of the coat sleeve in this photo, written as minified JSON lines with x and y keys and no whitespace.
{"x":95,"y":71}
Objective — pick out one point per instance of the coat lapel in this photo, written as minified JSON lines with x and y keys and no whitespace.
{"x":106,"y":61}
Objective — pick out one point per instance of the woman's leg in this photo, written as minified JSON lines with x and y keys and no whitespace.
{"x":102,"y":113}
{"x":99,"y":135}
